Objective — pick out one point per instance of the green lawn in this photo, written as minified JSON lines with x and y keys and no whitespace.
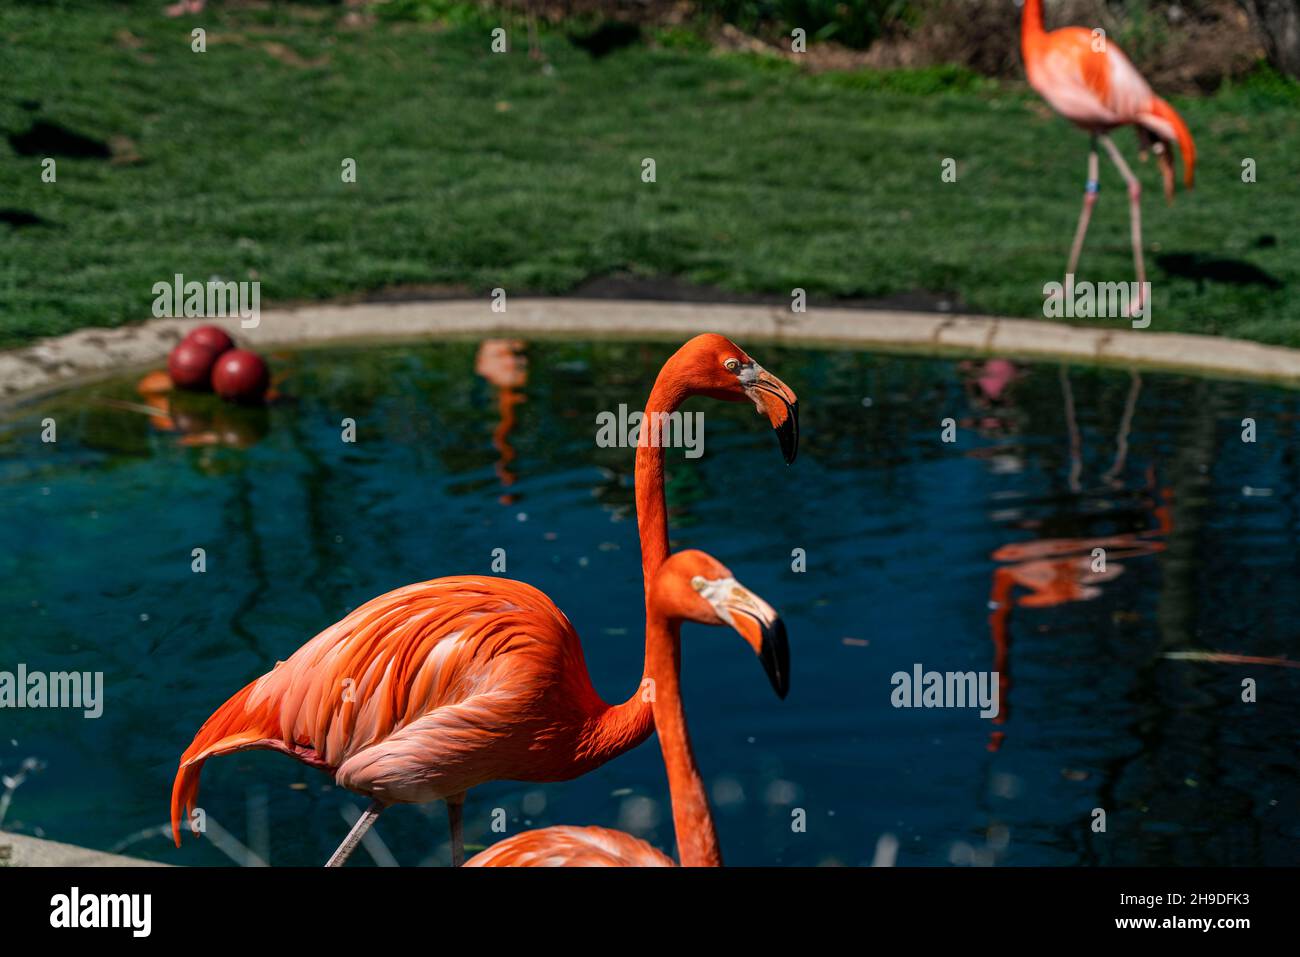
{"x":483,"y":170}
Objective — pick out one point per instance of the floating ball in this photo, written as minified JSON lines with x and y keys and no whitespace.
{"x":190,"y":365}
{"x":240,"y":376}
{"x":214,"y":337}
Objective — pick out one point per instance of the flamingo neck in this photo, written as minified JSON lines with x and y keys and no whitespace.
{"x":1031,"y":21}
{"x":623,"y":726}
{"x":651,"y":507}
{"x":697,"y":840}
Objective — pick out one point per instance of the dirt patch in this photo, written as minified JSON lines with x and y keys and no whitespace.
{"x":291,"y":57}
{"x":1190,"y":48}
{"x":1187,"y":46}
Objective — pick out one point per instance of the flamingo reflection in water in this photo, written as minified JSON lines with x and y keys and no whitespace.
{"x":1057,"y":571}
{"x":1061,"y":570}
{"x":504,"y":365}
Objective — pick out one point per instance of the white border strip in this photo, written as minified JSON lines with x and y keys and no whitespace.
{"x":95,"y":353}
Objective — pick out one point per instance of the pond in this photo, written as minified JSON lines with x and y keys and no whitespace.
{"x":1119,"y":690}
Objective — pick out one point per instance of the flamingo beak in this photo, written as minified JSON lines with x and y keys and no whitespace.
{"x":762,"y":628}
{"x":777,"y":401}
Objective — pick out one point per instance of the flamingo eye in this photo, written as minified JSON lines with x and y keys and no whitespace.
{"x":731,"y":365}
{"x":699,"y":583}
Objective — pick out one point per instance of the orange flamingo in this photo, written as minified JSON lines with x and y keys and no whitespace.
{"x":1088,"y":80}
{"x":690,"y":586}
{"x":429,"y":690}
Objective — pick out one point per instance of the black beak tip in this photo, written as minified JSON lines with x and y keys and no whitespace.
{"x":788,"y":433}
{"x":775,"y":655}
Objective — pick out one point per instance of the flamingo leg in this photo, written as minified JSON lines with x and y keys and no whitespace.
{"x":456,"y":820}
{"x":355,"y":835}
{"x":1072,"y":426}
{"x":1135,"y":215}
{"x":1091,"y":189}
{"x":1125,"y":426}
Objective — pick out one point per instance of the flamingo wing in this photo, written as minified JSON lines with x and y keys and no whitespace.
{"x":564,"y":846}
{"x":409,"y":653}
{"x":398,"y":695}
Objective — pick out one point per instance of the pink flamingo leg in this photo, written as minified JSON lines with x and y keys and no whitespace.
{"x":1090,"y":192}
{"x":456,"y":821}
{"x":1135,"y":217}
{"x":344,"y":850}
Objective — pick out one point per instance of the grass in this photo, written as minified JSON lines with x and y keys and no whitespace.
{"x":480,"y":170}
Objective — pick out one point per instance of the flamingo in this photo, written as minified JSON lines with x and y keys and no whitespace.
{"x":690,"y":586}
{"x":1090,"y":82}
{"x":431,"y":689}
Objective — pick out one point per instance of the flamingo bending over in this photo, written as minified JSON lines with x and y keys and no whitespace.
{"x":690,"y":586}
{"x":431,"y":689}
{"x":1090,"y":82}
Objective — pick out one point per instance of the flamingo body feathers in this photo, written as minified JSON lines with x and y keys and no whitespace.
{"x":565,"y":846}
{"x":424,"y":692}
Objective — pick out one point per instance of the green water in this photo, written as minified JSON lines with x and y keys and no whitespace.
{"x":902,"y":535}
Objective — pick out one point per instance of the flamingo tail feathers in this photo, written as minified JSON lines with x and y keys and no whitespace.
{"x":232,"y":727}
{"x":1163,"y":111}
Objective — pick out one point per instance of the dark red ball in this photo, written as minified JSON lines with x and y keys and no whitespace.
{"x":214,"y":337}
{"x":241,"y":376}
{"x":190,"y":366}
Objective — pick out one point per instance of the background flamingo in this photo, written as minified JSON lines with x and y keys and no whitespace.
{"x":1089,"y":81}
{"x":690,"y":586}
{"x":431,"y":689}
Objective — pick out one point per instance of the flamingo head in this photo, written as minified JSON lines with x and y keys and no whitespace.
{"x":714,"y":366}
{"x":694,"y":586}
